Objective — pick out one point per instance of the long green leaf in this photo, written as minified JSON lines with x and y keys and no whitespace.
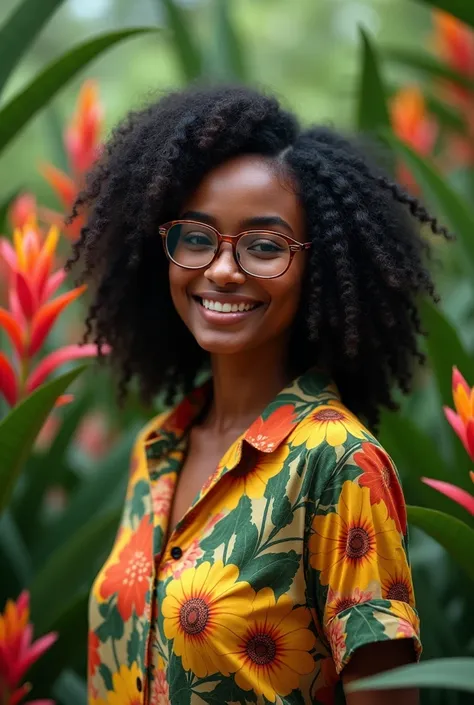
{"x":72,"y":566}
{"x":185,"y":45}
{"x":445,"y":350}
{"x":372,"y":108}
{"x":20,"y":427}
{"x":435,"y":188}
{"x":104,"y":490}
{"x":426,"y":64}
{"x":417,"y":456}
{"x":454,"y":535}
{"x":20,"y":30}
{"x":15,"y":562}
{"x":226,"y":60}
{"x":71,"y":627}
{"x":447,"y":673}
{"x":22,"y":107}
{"x":462,"y":9}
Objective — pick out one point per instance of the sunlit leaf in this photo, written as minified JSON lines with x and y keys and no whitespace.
{"x":18,"y":430}
{"x":20,"y":30}
{"x":449,"y":673}
{"x":454,"y":535}
{"x":23,"y":106}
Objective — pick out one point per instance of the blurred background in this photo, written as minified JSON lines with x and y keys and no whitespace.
{"x":403,"y":71}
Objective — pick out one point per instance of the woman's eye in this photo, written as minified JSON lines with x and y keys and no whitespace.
{"x":197,"y":239}
{"x":265,"y":247}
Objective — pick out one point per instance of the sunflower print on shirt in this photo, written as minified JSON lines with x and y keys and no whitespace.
{"x":292,"y":556}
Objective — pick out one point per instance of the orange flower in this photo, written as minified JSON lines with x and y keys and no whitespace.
{"x":462,"y":420}
{"x":453,"y":41}
{"x":129,"y":575}
{"x":413,"y":124}
{"x":17,"y":650}
{"x":336,"y":636}
{"x":397,"y":584}
{"x":82,"y":142}
{"x":380,"y":477}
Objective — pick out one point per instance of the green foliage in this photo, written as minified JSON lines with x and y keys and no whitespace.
{"x":185,"y":45}
{"x":456,"y":673}
{"x":18,"y":430}
{"x":372,"y":105}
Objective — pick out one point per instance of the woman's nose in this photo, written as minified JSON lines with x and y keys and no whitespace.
{"x":224,"y":269}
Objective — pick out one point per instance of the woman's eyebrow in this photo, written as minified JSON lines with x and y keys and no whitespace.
{"x":266,"y":221}
{"x":198,"y":215}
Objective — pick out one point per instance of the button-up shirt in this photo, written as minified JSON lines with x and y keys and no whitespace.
{"x":292,"y":556}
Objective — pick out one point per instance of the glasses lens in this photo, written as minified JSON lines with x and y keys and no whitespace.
{"x":263,"y":254}
{"x":191,"y":245}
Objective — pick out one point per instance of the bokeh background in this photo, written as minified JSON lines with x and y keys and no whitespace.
{"x":403,"y":71}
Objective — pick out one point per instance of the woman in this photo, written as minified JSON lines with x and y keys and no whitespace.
{"x":262,"y":553}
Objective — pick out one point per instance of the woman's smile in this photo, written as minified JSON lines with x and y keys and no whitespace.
{"x":227,"y":309}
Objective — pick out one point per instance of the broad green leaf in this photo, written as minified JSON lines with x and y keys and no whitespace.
{"x":18,"y":430}
{"x":71,"y":627}
{"x":455,"y":673}
{"x":23,"y":106}
{"x":103,"y":491}
{"x":454,"y":535}
{"x":416,"y":456}
{"x":427,"y":64}
{"x":226,"y":60}
{"x":15,"y":562}
{"x":72,"y":566}
{"x":445,"y":350}
{"x":186,"y":47}
{"x":462,"y":9}
{"x":20,"y":30}
{"x":70,"y":688}
{"x":372,"y":107}
{"x":444,"y":198}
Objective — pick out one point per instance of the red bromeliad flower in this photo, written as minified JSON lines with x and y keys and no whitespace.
{"x":32,"y":311}
{"x":462,"y":421}
{"x":18,"y":651}
{"x":82,"y":143}
{"x":413,"y":124}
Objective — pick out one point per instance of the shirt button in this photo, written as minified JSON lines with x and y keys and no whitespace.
{"x":176,"y":553}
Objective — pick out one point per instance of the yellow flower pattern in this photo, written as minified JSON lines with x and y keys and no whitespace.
{"x":291,"y":557}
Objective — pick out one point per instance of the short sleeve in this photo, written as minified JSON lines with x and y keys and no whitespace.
{"x":358,"y":569}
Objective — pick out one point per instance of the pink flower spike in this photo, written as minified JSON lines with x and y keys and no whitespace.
{"x":25,"y":295}
{"x":46,"y":316}
{"x":8,"y":253}
{"x":31,"y":652}
{"x":463,"y":498}
{"x":53,"y":283}
{"x":40,"y":702}
{"x":8,"y":381}
{"x":470,"y":437}
{"x":15,"y":308}
{"x":13,"y":329}
{"x":19,"y":694}
{"x":457,"y":425}
{"x":58,"y":357}
{"x":458,"y":379}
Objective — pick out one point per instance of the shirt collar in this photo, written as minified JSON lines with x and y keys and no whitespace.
{"x":266,"y":433}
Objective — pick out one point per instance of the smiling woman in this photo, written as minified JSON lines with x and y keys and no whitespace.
{"x":262,"y":551}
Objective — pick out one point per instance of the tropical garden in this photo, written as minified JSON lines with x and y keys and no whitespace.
{"x":64,"y":444}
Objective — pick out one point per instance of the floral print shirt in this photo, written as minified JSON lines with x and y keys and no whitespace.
{"x":292,"y":556}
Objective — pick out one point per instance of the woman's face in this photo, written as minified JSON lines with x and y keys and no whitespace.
{"x":231,"y":198}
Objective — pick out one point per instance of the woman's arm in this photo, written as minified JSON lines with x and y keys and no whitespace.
{"x":375,"y":658}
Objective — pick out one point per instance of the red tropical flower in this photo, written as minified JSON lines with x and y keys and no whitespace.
{"x":462,"y":420}
{"x":32,"y":312}
{"x":82,"y":143}
{"x":380,"y":477}
{"x":94,"y":660}
{"x":265,"y":434}
{"x":129,"y":577}
{"x":413,"y":124}
{"x":18,"y":651}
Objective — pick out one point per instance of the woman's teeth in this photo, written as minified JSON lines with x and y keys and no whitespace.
{"x":226,"y":308}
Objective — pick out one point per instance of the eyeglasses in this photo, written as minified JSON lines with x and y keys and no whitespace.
{"x":260,"y":253}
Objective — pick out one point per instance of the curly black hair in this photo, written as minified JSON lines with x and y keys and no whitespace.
{"x":358,"y":315}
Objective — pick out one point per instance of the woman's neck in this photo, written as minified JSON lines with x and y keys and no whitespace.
{"x":244,"y":384}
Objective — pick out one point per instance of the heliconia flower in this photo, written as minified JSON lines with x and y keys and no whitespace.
{"x":453,"y":42}
{"x":82,"y":143}
{"x":462,"y":420}
{"x":22,"y":210}
{"x":32,"y":312}
{"x":412,"y":123}
{"x":463,"y":498}
{"x":18,"y":651}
